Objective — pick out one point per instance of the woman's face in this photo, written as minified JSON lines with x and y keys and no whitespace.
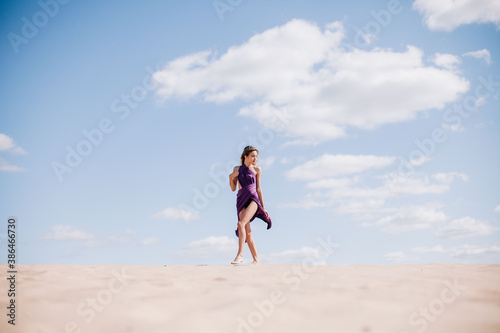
{"x":252,"y":157}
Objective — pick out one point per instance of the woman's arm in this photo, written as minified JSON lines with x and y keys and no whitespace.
{"x":233,"y":178}
{"x":259,"y":190}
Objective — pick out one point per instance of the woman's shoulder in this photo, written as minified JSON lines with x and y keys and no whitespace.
{"x":236,"y":168}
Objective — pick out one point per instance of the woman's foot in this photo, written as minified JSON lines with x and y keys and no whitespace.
{"x":237,"y":260}
{"x":255,"y":262}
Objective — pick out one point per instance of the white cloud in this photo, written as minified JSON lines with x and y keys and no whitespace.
{"x":368,"y":208}
{"x":303,"y":70}
{"x":67,"y":232}
{"x":292,"y":159}
{"x":449,"y":177}
{"x":466,"y":227}
{"x":351,"y":197}
{"x":333,"y":182}
{"x":119,"y":239}
{"x":176,"y":214}
{"x":150,"y":241}
{"x":480,"y":101}
{"x":497,"y":209}
{"x":18,"y":151}
{"x":210,"y":245}
{"x":7,"y":167}
{"x":397,"y":256}
{"x":305,"y":255}
{"x":393,"y":186}
{"x":418,"y":184}
{"x":7,"y":144}
{"x":481,"y":54}
{"x":435,"y":249}
{"x":420,"y":161}
{"x":448,"y":14}
{"x":474,"y":251}
{"x":453,"y":128}
{"x":309,"y":201}
{"x":328,"y":165}
{"x":464,"y":251}
{"x":448,"y":61}
{"x":267,"y":162}
{"x":94,"y":243}
{"x":410,"y":218}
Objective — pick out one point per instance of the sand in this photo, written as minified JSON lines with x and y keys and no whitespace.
{"x":429,"y":298}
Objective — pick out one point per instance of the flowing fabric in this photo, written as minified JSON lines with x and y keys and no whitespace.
{"x":248,"y":193}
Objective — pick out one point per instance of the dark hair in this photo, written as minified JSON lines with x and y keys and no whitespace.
{"x":246,"y":151}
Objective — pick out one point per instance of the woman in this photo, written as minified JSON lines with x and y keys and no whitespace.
{"x":249,"y":202}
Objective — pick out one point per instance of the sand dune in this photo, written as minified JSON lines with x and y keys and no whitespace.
{"x":440,"y":298}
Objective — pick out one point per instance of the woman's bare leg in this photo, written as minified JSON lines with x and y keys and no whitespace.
{"x":245,"y":216}
{"x":241,"y":241}
{"x":251,"y":244}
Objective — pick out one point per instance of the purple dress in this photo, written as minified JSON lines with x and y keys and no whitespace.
{"x":247,"y":193}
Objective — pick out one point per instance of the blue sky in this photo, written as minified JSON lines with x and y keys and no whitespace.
{"x":377,"y":124}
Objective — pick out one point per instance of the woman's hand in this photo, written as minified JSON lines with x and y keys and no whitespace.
{"x":233,"y":179}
